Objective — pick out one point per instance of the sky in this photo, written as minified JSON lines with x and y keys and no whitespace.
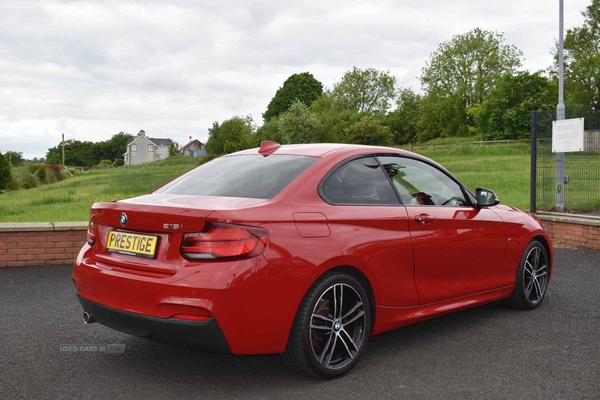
{"x":91,"y":69}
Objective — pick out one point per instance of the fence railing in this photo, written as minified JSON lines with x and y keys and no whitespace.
{"x":581,"y":186}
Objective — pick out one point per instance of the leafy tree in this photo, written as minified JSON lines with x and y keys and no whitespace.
{"x":173,"y":149}
{"x":269,"y":131}
{"x":404,"y":119}
{"x":303,"y":87}
{"x":15,"y":159}
{"x":582,"y":60}
{"x":5,"y":172}
{"x":333,"y":121}
{"x":369,"y":130}
{"x":79,"y":153}
{"x":459,"y":75}
{"x":232,"y":135}
{"x":506,"y":113}
{"x":88,"y":154}
{"x":364,"y":90}
{"x":298,"y":124}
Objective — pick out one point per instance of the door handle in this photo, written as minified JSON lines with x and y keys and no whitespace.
{"x":424,"y":219}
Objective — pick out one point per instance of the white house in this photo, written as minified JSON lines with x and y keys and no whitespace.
{"x":143,"y":149}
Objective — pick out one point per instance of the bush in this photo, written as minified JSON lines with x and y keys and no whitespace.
{"x":107,"y":163}
{"x":28,"y":181}
{"x":119,"y":162}
{"x":52,"y":169}
{"x":50,"y":178}
{"x":5,"y":172}
{"x":39,"y":171}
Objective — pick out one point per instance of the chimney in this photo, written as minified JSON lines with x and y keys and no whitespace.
{"x":190,"y":138}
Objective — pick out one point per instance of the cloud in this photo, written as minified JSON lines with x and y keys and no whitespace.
{"x":93,"y":69}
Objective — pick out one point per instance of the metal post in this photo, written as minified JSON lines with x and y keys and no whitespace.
{"x":559,"y":205}
{"x":63,"y":151}
{"x":533,"y":176}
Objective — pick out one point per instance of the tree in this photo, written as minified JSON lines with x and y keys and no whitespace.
{"x":173,"y":149}
{"x":332,"y":120}
{"x":88,"y":154}
{"x":404,"y":119}
{"x":232,"y":135}
{"x":369,"y":130}
{"x":582,"y":60}
{"x":506,"y":113}
{"x":459,"y":75}
{"x":303,"y":87}
{"x":78,"y":153}
{"x":5,"y":172}
{"x":364,"y":90}
{"x":15,"y":159}
{"x":298,"y":124}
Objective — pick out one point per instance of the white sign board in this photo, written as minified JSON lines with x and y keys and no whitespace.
{"x":567,"y":135}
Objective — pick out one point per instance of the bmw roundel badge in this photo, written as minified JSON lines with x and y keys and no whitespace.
{"x":123,"y":219}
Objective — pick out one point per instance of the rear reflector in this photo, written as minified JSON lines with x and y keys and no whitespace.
{"x":224,"y":241}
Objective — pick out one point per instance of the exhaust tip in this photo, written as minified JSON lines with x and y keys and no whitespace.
{"x":88,"y":318}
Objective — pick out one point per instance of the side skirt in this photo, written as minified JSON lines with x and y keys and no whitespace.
{"x":389,"y":318}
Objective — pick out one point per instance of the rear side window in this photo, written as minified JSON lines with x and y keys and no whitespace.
{"x":252,"y":176}
{"x":361,"y":181}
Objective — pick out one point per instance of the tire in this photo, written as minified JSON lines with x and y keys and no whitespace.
{"x":331,"y":328}
{"x":532,"y":278}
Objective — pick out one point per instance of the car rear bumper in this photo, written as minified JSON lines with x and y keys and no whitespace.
{"x":250,"y":303}
{"x":204,"y":335}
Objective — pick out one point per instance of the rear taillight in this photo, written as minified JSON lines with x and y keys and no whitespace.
{"x":91,"y":237}
{"x":224,"y":241}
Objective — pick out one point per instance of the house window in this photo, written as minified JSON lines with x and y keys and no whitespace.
{"x":134,"y":147}
{"x":150,"y":148}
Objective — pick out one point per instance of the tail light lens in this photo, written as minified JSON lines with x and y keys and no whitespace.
{"x":224,"y":241}
{"x":91,"y":236}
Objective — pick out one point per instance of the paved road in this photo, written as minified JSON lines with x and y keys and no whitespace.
{"x":487,"y":352}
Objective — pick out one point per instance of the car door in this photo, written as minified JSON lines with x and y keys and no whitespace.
{"x":369,"y":226}
{"x":458,"y":248}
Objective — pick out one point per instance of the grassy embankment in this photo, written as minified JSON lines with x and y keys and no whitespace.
{"x":503,"y":167}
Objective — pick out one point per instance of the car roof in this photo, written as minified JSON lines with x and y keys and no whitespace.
{"x":321,"y":149}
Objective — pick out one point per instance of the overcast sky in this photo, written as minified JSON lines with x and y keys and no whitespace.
{"x":93,"y":69}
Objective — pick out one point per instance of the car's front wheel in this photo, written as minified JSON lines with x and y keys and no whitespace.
{"x":532,"y":278}
{"x":331,"y":328}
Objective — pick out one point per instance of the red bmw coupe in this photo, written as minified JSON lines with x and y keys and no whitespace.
{"x":305,"y":250}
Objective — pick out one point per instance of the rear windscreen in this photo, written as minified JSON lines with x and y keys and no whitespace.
{"x":252,"y":176}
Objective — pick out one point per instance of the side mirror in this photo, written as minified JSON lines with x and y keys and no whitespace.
{"x":486,"y":197}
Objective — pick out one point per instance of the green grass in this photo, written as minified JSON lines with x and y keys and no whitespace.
{"x":70,"y":200}
{"x":503,"y":168}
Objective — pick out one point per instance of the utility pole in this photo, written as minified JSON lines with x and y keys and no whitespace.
{"x":63,"y":143}
{"x":560,"y":115}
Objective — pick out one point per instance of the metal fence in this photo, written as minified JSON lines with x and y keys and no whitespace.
{"x":581,"y":186}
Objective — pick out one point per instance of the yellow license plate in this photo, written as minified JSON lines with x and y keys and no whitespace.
{"x":132,"y":244}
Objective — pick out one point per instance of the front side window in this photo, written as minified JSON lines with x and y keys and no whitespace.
{"x":134,"y":147}
{"x":361,"y":181}
{"x":150,"y":148}
{"x":252,"y":176}
{"x":421,"y":184}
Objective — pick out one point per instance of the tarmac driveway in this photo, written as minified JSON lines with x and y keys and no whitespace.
{"x":486,"y":352}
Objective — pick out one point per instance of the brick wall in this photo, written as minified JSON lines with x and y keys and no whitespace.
{"x":36,"y":244}
{"x":572,"y":231}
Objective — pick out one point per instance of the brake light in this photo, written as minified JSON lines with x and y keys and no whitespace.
{"x":91,"y":237}
{"x":219,"y":241}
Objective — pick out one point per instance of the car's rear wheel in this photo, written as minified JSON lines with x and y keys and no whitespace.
{"x":532,"y":278}
{"x":331,"y":328}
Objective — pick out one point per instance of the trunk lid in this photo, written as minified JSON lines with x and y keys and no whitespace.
{"x":143,"y":234}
